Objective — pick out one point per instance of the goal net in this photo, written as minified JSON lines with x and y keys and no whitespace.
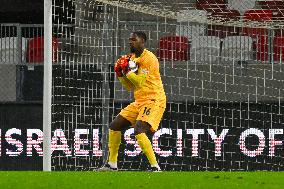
{"x":221,"y":66}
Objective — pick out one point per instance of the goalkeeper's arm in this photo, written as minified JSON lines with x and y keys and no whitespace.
{"x":126,"y":83}
{"x":137,"y":80}
{"x":128,"y":69}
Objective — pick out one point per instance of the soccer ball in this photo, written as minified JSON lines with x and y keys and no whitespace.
{"x":132,"y":66}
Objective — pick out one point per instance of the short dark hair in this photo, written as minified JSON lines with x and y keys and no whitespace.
{"x":141,"y":34}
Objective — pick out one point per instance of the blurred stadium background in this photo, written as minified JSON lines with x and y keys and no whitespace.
{"x":220,"y":61}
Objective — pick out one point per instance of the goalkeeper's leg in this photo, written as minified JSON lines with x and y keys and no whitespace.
{"x":140,"y":130}
{"x":115,"y":128}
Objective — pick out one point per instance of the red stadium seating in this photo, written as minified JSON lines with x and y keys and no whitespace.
{"x":224,"y":31}
{"x":260,"y":34}
{"x":257,"y":15}
{"x":173,"y":48}
{"x":36,"y":49}
{"x":262,"y":53}
{"x":211,"y":5}
{"x":277,"y":6}
{"x":278,"y":48}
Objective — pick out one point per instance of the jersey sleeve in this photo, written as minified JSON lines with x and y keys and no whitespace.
{"x":137,"y":80}
{"x":126,"y":83}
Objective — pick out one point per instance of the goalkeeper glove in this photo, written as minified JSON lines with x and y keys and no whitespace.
{"x":129,"y":66}
{"x":118,"y":65}
{"x":118,"y":70}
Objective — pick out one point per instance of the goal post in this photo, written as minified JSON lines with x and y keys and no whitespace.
{"x":47,"y":91}
{"x":221,"y":66}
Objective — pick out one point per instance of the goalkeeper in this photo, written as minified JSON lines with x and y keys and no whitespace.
{"x":138,"y":71}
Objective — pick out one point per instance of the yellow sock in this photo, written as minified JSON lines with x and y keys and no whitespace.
{"x":146,"y":147}
{"x":113,"y":145}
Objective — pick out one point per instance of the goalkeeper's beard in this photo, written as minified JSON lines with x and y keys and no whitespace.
{"x":133,"y":49}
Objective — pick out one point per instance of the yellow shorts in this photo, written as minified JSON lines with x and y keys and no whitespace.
{"x":149,"y":111}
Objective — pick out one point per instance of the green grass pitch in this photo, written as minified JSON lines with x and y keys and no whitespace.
{"x":140,"y":180}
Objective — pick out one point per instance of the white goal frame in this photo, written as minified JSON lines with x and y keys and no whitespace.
{"x":47,"y":88}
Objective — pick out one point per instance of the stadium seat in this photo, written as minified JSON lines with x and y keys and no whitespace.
{"x":10,"y":52}
{"x":173,"y":48}
{"x":259,"y":34}
{"x":224,"y":16}
{"x":242,"y":6}
{"x":211,"y":5}
{"x":186,"y":28}
{"x":278,"y":48}
{"x":205,"y":49}
{"x":237,"y":48}
{"x":35,"y":50}
{"x":260,"y":16}
{"x":262,"y":48}
{"x":277,"y":6}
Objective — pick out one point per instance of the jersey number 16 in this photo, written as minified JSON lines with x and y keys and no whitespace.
{"x":147,"y":111}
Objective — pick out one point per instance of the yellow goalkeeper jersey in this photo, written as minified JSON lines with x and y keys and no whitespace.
{"x":153,"y":88}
